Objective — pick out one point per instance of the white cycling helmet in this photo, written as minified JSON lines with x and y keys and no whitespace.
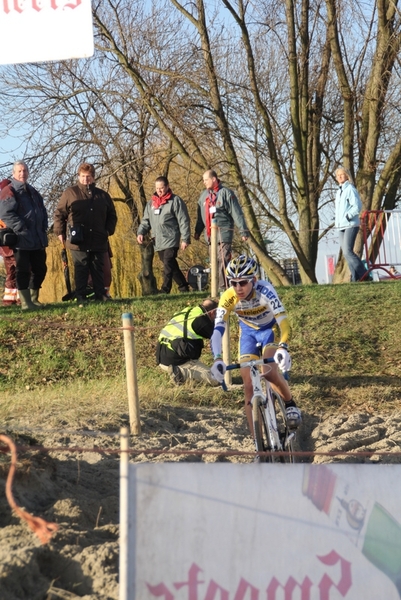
{"x":242,"y":267}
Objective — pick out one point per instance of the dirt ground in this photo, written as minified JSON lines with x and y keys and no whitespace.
{"x":78,"y":489}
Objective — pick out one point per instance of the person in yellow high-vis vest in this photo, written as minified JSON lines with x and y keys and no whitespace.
{"x":181,"y":342}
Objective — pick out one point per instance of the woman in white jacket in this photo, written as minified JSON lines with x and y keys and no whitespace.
{"x":348,"y":207}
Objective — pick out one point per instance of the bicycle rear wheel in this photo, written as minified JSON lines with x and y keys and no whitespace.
{"x":287,"y":437}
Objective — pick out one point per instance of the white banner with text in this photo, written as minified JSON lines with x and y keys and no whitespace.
{"x":263,"y":532}
{"x":43,"y":30}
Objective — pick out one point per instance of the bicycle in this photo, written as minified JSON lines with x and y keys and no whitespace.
{"x":274,"y":441}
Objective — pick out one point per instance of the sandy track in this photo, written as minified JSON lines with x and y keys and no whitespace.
{"x":79,"y":490}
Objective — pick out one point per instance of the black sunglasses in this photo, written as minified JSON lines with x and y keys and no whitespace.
{"x":241,"y":283}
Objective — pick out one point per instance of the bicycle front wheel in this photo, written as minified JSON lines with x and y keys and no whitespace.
{"x":257,"y":419}
{"x":262,"y":441}
{"x":287,"y":437}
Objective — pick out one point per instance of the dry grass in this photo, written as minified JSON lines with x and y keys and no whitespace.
{"x":65,"y":366}
{"x":102,"y":404}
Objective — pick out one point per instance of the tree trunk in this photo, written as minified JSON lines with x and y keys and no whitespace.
{"x":146,"y":276}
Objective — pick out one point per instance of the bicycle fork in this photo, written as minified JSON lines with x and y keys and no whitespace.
{"x":271,"y":424}
{"x":289,"y":437}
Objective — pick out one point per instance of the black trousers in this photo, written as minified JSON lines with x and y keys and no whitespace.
{"x":86,"y":262}
{"x":30,"y":268}
{"x":171,"y":271}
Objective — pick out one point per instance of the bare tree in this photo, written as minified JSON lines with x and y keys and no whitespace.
{"x":86,"y":111}
{"x":230,"y":99}
{"x":196,"y":90}
{"x":369,"y":82}
{"x":273,"y":95}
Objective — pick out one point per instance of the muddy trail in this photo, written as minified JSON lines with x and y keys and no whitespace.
{"x":78,"y":488}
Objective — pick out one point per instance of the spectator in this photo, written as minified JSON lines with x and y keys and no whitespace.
{"x":348,"y":206}
{"x":166,"y":215}
{"x":10,"y":295}
{"x":84,"y":219}
{"x":220,"y":203}
{"x":393,"y":271}
{"x":180,"y":343}
{"x":23,"y":210}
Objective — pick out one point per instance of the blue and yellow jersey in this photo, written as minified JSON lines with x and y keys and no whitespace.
{"x":262,"y":310}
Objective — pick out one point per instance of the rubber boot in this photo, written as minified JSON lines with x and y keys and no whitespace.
{"x":35,"y":298}
{"x":26,"y":302}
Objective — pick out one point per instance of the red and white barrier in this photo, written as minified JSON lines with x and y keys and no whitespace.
{"x":382,"y":240}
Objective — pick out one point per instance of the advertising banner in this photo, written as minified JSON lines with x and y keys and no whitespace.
{"x":42,"y":30}
{"x":263,"y":532}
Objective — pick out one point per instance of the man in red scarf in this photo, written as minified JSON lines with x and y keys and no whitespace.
{"x":220,"y":203}
{"x":166,"y":215}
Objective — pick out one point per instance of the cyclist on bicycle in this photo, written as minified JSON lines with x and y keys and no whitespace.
{"x":258,"y":308}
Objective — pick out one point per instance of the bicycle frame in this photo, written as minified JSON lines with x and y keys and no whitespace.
{"x":276,"y":443}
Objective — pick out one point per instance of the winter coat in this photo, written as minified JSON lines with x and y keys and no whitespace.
{"x":348,"y":206}
{"x":168,"y":225}
{"x":23,"y":210}
{"x":5,"y":251}
{"x":228,"y":212}
{"x":182,"y":338}
{"x":91,"y":208}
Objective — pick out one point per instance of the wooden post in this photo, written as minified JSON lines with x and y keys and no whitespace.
{"x":214,"y":264}
{"x":131,"y":372}
{"x":124,"y":515}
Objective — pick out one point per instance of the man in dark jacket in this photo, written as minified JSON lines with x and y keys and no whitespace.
{"x":23,"y":210}
{"x":181,"y":343}
{"x":85,"y":217}
{"x":220,"y":203}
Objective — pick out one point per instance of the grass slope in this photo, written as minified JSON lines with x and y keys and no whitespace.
{"x":66,"y":363}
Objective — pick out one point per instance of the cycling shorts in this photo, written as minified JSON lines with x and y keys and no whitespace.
{"x":249,"y":339}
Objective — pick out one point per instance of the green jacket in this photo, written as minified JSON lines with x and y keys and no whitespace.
{"x":169,"y":225}
{"x":228,"y":212}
